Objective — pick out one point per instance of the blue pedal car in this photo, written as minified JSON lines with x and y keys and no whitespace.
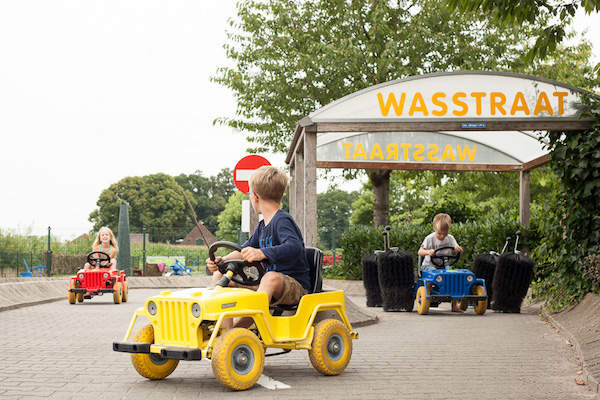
{"x":444,"y":285}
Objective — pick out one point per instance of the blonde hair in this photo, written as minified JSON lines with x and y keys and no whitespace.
{"x":113,"y":241}
{"x":442,"y":222}
{"x":269,"y":183}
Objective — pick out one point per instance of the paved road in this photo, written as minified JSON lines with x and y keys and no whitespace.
{"x":63,"y":351}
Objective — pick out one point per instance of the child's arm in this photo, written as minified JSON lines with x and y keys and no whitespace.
{"x":425,"y":252}
{"x":212,"y":266}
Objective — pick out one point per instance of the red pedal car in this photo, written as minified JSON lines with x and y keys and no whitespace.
{"x":98,"y":280}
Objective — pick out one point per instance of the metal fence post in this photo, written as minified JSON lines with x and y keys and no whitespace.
{"x":49,"y":255}
{"x":143,"y":250}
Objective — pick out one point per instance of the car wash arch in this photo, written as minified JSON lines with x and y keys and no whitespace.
{"x":457,"y":121}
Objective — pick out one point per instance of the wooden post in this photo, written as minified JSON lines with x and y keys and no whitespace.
{"x":292,"y":188}
{"x":253,"y":219}
{"x":524,"y":198}
{"x":310,"y":189}
{"x":299,"y":189}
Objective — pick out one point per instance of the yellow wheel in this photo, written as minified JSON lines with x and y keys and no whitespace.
{"x":125,"y":292}
{"x":463,"y":305}
{"x":118,"y":293}
{"x":422,"y":302}
{"x":80,"y":297}
{"x":151,"y":366}
{"x":481,"y":305}
{"x":71,"y":294}
{"x":331,"y":347}
{"x":238,"y":359}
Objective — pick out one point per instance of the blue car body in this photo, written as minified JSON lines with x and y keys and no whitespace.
{"x":450,"y":284}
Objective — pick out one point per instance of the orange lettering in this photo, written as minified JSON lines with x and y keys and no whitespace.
{"x":539,"y":107}
{"x":392,"y":150}
{"x":347,"y":147}
{"x":359,"y":152}
{"x":434,"y":100}
{"x":466,"y":152}
{"x":561,"y":101}
{"x":497,"y":104}
{"x":376,"y":152}
{"x":432,"y":154}
{"x":421,"y":108}
{"x":405,"y":147}
{"x":478,"y":96}
{"x":448,"y":153}
{"x":391,"y":101}
{"x":460,"y":103}
{"x":417,"y":154}
{"x":519,"y":104}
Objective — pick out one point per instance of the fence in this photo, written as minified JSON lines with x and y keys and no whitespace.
{"x":67,"y":256}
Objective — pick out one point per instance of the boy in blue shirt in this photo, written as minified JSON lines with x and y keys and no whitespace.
{"x":277,"y":242}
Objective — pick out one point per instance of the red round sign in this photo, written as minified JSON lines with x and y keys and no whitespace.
{"x":244,"y":169}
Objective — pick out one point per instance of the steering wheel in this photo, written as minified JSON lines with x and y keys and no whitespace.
{"x":444,"y":259}
{"x":98,"y":260}
{"x":243,"y":272}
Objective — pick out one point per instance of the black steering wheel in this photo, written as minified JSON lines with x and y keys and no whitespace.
{"x":98,"y":260}
{"x":244,"y":272}
{"x":444,"y":259}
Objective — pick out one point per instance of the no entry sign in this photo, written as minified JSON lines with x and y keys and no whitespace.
{"x":244,"y":169}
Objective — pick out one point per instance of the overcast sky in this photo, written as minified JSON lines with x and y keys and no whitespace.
{"x":94,"y":91}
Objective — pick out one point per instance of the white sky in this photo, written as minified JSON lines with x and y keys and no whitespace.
{"x":94,"y":91}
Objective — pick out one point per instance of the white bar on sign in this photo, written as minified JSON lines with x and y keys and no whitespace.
{"x":243,"y":174}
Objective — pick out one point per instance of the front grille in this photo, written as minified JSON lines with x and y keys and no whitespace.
{"x":174,"y":322}
{"x":454,"y":283}
{"x":93,"y":279}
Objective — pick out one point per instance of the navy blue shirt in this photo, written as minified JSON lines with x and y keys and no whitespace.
{"x":281,"y":242}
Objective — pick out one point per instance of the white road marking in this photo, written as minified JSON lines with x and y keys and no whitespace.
{"x":271,"y":383}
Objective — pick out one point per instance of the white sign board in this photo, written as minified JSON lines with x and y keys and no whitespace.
{"x":466,"y":96}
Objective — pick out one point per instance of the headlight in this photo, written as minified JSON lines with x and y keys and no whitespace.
{"x":80,"y":276}
{"x":196,"y":311}
{"x":152,"y":308}
{"x":469,"y":278}
{"x":438,"y":278}
{"x":105,"y":275}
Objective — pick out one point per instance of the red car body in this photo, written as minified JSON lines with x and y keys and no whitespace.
{"x":97,"y":281}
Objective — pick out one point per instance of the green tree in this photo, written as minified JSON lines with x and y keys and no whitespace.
{"x":333,"y":215}
{"x":362,"y":208}
{"x":210,"y":194}
{"x":532,"y":11}
{"x":155,"y":201}
{"x":293,"y":57}
{"x":230,"y":218}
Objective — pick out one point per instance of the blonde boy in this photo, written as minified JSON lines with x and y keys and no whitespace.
{"x":436,"y":240}
{"x":277,"y":242}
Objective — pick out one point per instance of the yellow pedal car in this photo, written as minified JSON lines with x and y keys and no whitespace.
{"x":188,"y":325}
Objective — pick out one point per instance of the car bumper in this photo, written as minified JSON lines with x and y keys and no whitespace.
{"x":440,"y":298}
{"x":178,"y":353}
{"x":93,"y":291}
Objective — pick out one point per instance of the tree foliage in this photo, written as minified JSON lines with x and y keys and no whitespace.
{"x":154,"y":200}
{"x":293,"y":57}
{"x":333,"y":215}
{"x":230,"y":218}
{"x":569,"y":257}
{"x":529,"y":11}
{"x":210,"y":193}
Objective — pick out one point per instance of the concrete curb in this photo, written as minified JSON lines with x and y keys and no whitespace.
{"x":589,"y":379}
{"x":23,"y":292}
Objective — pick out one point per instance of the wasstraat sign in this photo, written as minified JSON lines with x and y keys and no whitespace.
{"x":429,"y":147}
{"x":468,"y":96}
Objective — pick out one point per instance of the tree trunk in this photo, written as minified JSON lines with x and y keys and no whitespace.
{"x":380,"y":179}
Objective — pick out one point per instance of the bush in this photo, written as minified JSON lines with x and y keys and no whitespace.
{"x":474,"y":237}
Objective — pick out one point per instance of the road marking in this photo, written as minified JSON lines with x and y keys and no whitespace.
{"x":271,"y":383}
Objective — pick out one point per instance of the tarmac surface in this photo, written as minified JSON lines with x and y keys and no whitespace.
{"x":60,"y":351}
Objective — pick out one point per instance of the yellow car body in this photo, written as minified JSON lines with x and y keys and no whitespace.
{"x":188,"y":325}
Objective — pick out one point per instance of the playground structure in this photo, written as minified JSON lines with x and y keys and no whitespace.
{"x":37,"y":271}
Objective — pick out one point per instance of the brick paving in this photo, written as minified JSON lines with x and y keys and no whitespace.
{"x":62,"y":351}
